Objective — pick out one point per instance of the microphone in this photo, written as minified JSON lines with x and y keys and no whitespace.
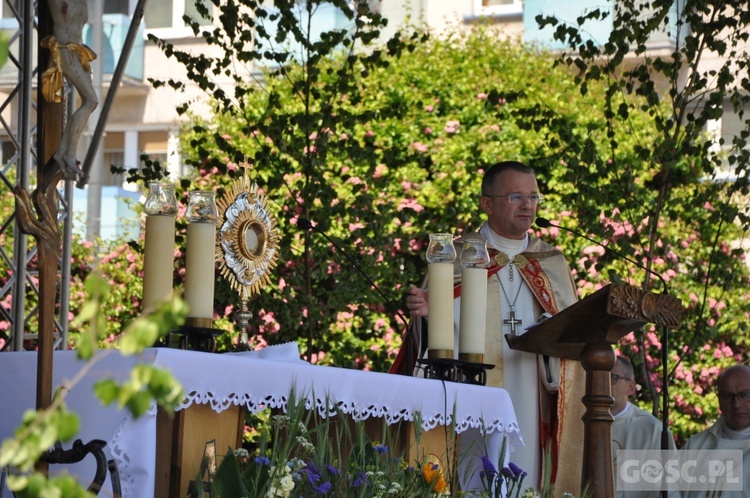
{"x":306,"y":224}
{"x":545,"y":223}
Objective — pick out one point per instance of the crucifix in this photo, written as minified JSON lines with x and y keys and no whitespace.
{"x":245,"y":165}
{"x":513,"y":321}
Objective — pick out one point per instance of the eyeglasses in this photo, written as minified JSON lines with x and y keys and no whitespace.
{"x":742,"y":396}
{"x":516,"y":199}
{"x":616,"y":377}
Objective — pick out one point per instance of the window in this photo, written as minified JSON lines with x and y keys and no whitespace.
{"x":8,"y":11}
{"x":154,"y":144}
{"x":167,"y":15}
{"x":116,"y":7}
{"x":498,"y":7}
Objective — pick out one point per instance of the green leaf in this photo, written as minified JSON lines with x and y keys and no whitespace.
{"x":106,"y":390}
{"x":68,"y":425}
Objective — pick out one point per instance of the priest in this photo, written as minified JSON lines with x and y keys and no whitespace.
{"x":527,"y":280}
{"x":730,"y":432}
{"x":633,"y":429}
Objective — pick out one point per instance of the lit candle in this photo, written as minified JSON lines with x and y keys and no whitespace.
{"x":158,"y":258}
{"x":200,"y":258}
{"x":440,"y":256}
{"x":474,"y":259}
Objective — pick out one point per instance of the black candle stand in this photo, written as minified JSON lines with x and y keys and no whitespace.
{"x":440,"y":368}
{"x":473,"y":373}
{"x":198,"y":338}
{"x":463,"y":372}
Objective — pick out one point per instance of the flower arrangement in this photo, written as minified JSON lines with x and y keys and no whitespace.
{"x":297,"y":457}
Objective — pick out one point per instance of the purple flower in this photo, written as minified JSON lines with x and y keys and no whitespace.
{"x":514,"y":472}
{"x":380,"y":448}
{"x":323,"y":488}
{"x":361,"y":480}
{"x":488,"y":470}
{"x":261,"y":460}
{"x":516,"y":469}
{"x":312,"y":472}
{"x":333,"y":470}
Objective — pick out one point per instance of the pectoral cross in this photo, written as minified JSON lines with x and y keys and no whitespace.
{"x":512,"y":321}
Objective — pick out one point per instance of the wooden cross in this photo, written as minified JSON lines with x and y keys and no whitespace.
{"x":513,"y":321}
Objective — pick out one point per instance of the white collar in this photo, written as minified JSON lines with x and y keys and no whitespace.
{"x":623,"y":411}
{"x":729,"y":433}
{"x":511,"y":247}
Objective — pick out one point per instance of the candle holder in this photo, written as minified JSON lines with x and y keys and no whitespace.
{"x":440,"y":248}
{"x":473,"y":372}
{"x":463,"y":372}
{"x":161,"y":199}
{"x":444,"y":369}
{"x":195,"y":337}
{"x":202,"y":207}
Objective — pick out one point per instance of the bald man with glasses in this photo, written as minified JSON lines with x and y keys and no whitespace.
{"x":731,"y":431}
{"x":633,"y":428}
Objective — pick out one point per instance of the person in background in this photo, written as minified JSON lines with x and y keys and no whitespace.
{"x":633,"y":428}
{"x":731,"y":431}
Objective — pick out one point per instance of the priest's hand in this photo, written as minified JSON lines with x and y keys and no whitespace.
{"x":416,"y":301}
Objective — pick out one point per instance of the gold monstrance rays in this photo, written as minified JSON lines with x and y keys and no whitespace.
{"x":248,"y":241}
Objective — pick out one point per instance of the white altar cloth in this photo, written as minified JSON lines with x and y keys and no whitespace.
{"x":249,"y":379}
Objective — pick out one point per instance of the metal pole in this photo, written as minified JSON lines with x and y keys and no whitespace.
{"x":23,"y":167}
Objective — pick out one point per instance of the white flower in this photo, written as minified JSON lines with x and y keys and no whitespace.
{"x":280,"y":420}
{"x":287,"y":484}
{"x":305,"y":443}
{"x":282,"y":486}
{"x":241,"y":453}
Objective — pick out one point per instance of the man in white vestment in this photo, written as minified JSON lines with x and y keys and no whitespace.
{"x":527,"y":279}
{"x":731,"y":431}
{"x":633,"y":428}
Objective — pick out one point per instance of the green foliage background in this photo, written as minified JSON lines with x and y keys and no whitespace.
{"x":381,"y":146}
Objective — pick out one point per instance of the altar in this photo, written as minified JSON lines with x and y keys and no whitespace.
{"x":254,"y":381}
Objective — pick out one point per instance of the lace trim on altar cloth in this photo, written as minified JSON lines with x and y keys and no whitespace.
{"x":120,"y":454}
{"x":327,"y":408}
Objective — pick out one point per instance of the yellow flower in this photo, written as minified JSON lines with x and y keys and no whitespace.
{"x":433,"y":474}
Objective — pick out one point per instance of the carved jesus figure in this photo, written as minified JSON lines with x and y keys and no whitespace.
{"x":69,"y":57}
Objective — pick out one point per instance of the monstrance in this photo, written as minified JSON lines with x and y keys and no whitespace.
{"x":247,"y":244}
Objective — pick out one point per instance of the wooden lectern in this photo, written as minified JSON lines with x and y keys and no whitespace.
{"x":585,"y":332}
